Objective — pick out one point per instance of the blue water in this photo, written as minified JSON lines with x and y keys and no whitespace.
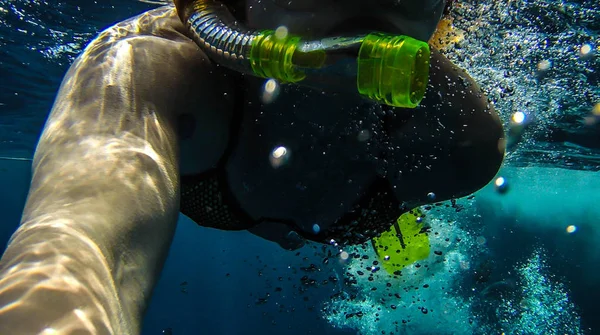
{"x":510,"y":264}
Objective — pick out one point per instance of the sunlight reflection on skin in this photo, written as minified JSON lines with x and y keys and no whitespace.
{"x":107,"y":148}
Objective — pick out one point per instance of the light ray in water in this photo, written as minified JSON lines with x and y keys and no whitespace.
{"x":7,"y":158}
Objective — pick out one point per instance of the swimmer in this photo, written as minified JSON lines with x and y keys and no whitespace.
{"x":151,"y":120}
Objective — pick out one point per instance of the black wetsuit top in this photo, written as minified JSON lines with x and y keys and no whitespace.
{"x":353,"y":170}
{"x":207,"y":199}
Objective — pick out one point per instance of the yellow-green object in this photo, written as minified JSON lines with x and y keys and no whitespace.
{"x":278,"y":58}
{"x":404,"y":243}
{"x":389,"y":69}
{"x":393,"y":69}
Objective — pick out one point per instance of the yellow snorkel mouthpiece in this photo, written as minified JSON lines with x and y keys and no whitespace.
{"x":393,"y":70}
{"x":387,"y":69}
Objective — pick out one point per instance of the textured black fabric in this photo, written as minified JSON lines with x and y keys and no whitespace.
{"x":206,"y":200}
{"x":374,"y":213}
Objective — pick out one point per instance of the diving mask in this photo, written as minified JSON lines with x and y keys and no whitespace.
{"x":388,"y":69}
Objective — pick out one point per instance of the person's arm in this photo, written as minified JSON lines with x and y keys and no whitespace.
{"x":104,"y":197}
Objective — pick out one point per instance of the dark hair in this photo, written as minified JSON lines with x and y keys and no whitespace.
{"x":237,"y":8}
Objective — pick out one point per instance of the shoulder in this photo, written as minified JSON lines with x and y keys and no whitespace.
{"x":153,"y":53}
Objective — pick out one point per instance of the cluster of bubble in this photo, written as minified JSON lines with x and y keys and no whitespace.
{"x":46,"y":27}
{"x":542,"y":305}
{"x":538,"y":58}
{"x":427,"y":298}
{"x":422,"y":300}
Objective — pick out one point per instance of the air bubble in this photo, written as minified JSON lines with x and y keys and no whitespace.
{"x":519,"y":121}
{"x":544,"y":65}
{"x":316,"y":228}
{"x":279,"y":156}
{"x":270,"y":91}
{"x":501,"y":185}
{"x":585,"y":50}
{"x":364,"y":135}
{"x":593,"y":119}
{"x":518,"y":117}
{"x":344,"y":255}
{"x":281,"y":32}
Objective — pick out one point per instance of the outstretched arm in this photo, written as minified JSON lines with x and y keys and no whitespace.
{"x":104,"y":198}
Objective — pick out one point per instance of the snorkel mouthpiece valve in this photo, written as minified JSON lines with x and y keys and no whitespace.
{"x":388,"y":69}
{"x":393,"y":70}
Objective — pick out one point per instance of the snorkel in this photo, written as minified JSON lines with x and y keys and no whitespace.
{"x":387,"y":69}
